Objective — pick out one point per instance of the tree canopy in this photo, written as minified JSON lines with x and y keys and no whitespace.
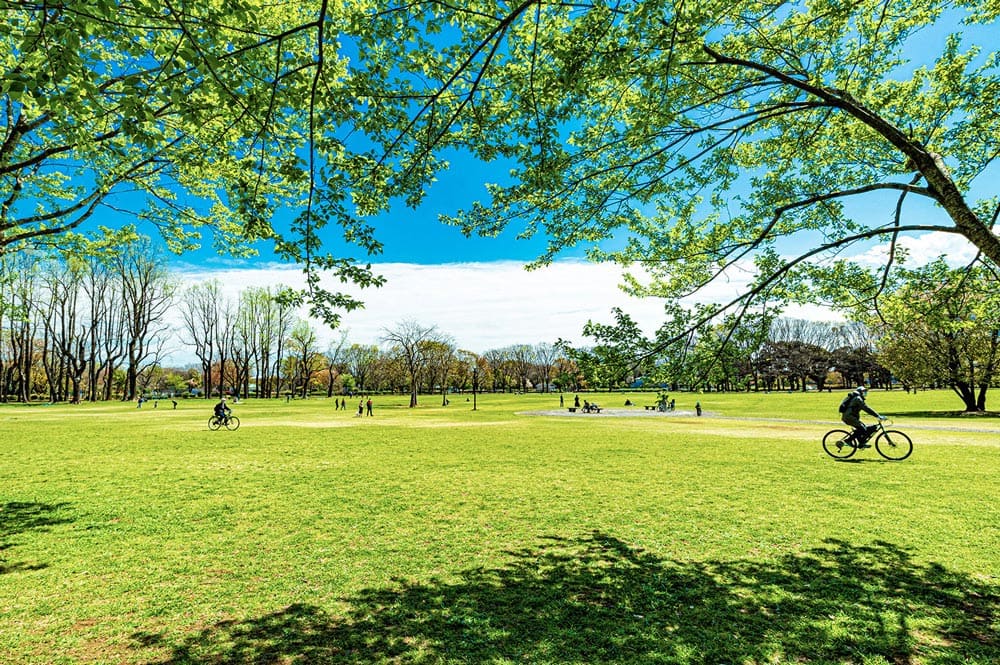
{"x":691,"y":136}
{"x":685,"y":137}
{"x":942,"y":326}
{"x":198,"y":117}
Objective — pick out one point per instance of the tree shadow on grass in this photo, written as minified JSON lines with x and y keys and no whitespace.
{"x":969,"y":416}
{"x":597,"y":600}
{"x":18,"y":517}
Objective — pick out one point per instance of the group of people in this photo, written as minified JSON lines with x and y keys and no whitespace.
{"x":587,"y":406}
{"x":850,"y":411}
{"x":364,"y":406}
{"x":222,"y":409}
{"x":142,"y":399}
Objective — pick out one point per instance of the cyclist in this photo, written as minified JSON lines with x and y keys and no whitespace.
{"x":222,"y":410}
{"x":850,"y":414}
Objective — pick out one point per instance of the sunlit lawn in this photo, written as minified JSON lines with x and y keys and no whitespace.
{"x":499,"y":535}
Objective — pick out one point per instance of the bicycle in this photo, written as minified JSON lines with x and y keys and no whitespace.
{"x":229,"y":421}
{"x":890,"y":443}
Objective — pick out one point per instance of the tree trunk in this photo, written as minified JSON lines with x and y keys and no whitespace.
{"x":76,"y":381}
{"x":981,"y":400}
{"x":968,"y":396}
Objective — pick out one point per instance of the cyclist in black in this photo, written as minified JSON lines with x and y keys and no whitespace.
{"x":222,"y":411}
{"x":850,"y":414}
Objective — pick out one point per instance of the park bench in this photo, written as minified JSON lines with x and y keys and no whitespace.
{"x":651,"y":407}
{"x":571,"y":409}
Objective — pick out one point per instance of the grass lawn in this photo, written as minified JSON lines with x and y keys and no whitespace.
{"x":518,"y":533}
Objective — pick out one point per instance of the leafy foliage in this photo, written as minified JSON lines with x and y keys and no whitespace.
{"x":693,"y":139}
{"x":941,"y":325}
{"x":696,"y":138}
{"x":197,"y":117}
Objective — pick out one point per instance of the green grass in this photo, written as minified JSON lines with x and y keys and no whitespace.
{"x":496,"y":536}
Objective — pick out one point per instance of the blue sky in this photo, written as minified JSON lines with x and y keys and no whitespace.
{"x":417,"y":237}
{"x":474,"y":289}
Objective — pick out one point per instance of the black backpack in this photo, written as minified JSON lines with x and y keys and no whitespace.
{"x":845,"y":402}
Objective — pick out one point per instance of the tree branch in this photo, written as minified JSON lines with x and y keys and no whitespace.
{"x":780,"y":273}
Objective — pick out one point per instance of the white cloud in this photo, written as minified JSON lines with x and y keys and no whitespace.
{"x":480,"y":305}
{"x":486,"y":305}
{"x":923,"y":249}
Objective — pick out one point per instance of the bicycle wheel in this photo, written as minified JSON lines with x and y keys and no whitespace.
{"x":893,"y":444}
{"x":836,"y":445}
{"x":233,"y":423}
{"x":214,"y":423}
